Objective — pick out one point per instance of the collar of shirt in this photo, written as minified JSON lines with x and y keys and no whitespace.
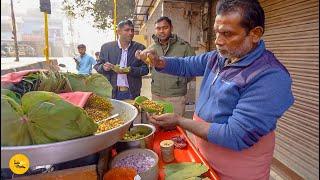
{"x":80,"y":57}
{"x":119,"y":44}
{"x":84,"y":55}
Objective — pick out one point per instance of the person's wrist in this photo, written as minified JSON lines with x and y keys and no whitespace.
{"x":161,"y":63}
{"x":180,"y":121}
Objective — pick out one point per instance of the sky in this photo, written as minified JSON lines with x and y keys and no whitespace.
{"x":91,"y":37}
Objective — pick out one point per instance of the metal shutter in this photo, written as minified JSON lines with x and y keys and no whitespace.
{"x":292,"y":34}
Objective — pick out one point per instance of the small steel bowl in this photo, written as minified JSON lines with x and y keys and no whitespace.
{"x":144,"y":142}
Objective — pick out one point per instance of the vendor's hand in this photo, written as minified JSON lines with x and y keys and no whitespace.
{"x":167,"y":120}
{"x":107,"y":66}
{"x":150,"y":56}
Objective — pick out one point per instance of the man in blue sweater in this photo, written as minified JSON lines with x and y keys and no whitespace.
{"x":244,"y":91}
{"x":84,"y":62}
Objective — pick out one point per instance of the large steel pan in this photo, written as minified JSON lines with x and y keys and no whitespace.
{"x":53,"y":153}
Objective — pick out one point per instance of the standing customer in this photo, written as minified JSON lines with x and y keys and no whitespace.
{"x":167,"y":87}
{"x":126,"y":82}
{"x":84,"y":62}
{"x":97,"y":54}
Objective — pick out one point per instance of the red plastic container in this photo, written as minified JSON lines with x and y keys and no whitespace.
{"x":188,"y":154}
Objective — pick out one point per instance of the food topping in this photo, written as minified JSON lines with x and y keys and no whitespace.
{"x":110,"y":124}
{"x":140,"y":162}
{"x":120,"y":173}
{"x":137,"y":132}
{"x":179,"y":142}
{"x":133,"y":136}
{"x":152,"y":107}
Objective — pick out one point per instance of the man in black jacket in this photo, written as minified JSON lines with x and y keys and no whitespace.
{"x":119,"y":64}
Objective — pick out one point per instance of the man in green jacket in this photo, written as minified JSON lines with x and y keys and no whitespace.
{"x":163,"y":86}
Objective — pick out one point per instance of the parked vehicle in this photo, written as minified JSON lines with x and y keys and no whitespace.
{"x":24,"y":50}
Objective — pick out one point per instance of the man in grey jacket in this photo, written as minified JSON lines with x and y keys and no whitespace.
{"x":163,"y":86}
{"x":119,"y":65}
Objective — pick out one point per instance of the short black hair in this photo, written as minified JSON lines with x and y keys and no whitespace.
{"x":251,"y":11}
{"x":81,"y":46}
{"x":164,"y":18}
{"x":97,"y":53}
{"x":125,"y":22}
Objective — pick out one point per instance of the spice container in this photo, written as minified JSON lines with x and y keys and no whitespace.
{"x":139,"y":136}
{"x":144,"y":161}
{"x":166,"y":147}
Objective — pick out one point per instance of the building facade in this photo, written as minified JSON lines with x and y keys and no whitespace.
{"x":30,"y":31}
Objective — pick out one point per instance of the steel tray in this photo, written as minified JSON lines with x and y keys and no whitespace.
{"x":53,"y":153}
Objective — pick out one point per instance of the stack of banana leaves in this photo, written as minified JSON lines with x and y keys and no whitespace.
{"x":41,"y":117}
{"x":59,"y":82}
{"x":95,"y":83}
{"x":32,"y":112}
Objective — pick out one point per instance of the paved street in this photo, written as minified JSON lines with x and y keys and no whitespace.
{"x":7,"y":63}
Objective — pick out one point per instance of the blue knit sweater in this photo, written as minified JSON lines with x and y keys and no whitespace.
{"x":243,"y":100}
